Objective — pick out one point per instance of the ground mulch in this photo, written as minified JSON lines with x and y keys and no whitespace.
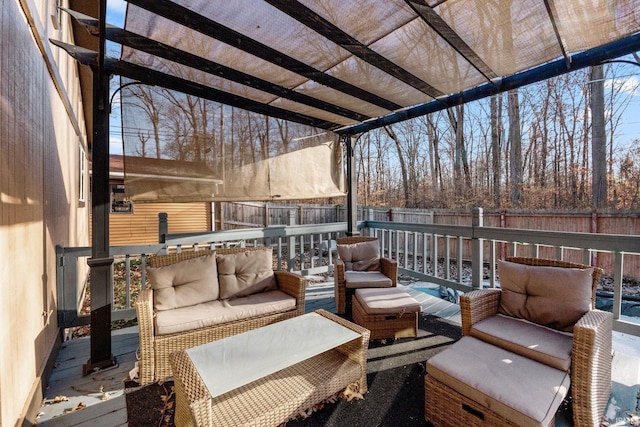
{"x":150,"y":405}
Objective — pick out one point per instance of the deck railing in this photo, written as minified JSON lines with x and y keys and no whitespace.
{"x":455,"y":257}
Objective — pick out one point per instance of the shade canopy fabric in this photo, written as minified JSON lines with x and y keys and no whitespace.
{"x":344,"y":65}
{"x":351,"y":66}
{"x":307,"y":173}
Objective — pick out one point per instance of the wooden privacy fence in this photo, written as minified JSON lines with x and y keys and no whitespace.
{"x":269,"y":214}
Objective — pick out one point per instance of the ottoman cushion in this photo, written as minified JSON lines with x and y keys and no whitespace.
{"x":366,"y":279}
{"x":386,"y":300}
{"x":526,"y":392}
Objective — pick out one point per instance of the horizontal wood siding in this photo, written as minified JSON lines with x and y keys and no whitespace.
{"x":141,"y":227}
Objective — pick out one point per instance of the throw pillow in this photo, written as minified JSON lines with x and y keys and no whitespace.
{"x":362,"y":256}
{"x":184,"y":283}
{"x":246,"y":273}
{"x":555,"y":297}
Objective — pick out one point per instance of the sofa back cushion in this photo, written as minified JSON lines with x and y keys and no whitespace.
{"x":190,"y":282}
{"x":361,"y":256}
{"x":556,"y":297}
{"x":246,"y":273}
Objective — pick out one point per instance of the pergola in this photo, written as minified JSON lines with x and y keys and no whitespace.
{"x":345,"y":66}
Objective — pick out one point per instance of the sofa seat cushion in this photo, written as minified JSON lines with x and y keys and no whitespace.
{"x":556,"y":297}
{"x":519,"y":389}
{"x":246,"y":273}
{"x":527,"y":339}
{"x":186,"y":283}
{"x":222,"y":311}
{"x":362,"y":256}
{"x":366,"y":279}
{"x":386,"y":301}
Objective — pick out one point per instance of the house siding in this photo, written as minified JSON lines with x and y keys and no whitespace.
{"x":141,"y":227}
{"x":41,"y":131}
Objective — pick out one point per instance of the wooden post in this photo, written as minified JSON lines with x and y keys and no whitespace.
{"x":291,"y":243}
{"x":352,"y":187}
{"x":100,"y":262}
{"x":477,"y":256}
{"x":163,"y":227}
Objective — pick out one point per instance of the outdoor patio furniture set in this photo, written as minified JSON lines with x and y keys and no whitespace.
{"x":524,"y":347}
{"x":234,"y":336}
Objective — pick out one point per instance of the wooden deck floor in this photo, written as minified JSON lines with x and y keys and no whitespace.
{"x":103,"y":392}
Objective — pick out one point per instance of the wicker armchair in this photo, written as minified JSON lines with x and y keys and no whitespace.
{"x":591,"y":352}
{"x":343,"y":294}
{"x":155,"y":349}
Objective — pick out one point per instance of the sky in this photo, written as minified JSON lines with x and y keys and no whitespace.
{"x":628,"y":130}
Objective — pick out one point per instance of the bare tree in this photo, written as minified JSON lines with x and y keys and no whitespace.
{"x":403,"y":168}
{"x":515,"y":155}
{"x":496,"y":147}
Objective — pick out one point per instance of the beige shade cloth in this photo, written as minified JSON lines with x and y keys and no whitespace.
{"x":313,"y":172}
{"x":308,"y":173}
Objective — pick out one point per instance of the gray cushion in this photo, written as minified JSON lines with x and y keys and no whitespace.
{"x":362,"y":256}
{"x":556,"y":297}
{"x":222,"y":311}
{"x":387,"y":301}
{"x":184,"y":283}
{"x":246,"y":273}
{"x":519,"y":389}
{"x":366,"y":279}
{"x":527,"y":339}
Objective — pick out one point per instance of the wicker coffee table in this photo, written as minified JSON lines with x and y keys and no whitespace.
{"x":269,"y":375}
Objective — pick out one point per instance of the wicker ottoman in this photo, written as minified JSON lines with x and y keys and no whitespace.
{"x":386,"y":312}
{"x":473,"y":383}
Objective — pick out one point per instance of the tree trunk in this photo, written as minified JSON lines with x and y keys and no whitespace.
{"x":496,"y":131}
{"x":403,"y":167}
{"x":515,"y":140}
{"x":598,"y":141}
{"x":434,"y":151}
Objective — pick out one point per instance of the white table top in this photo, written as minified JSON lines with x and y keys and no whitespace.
{"x":232,"y":362}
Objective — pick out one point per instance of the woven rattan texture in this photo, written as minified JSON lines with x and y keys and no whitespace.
{"x":445,"y":407}
{"x":591,"y":352}
{"x":155,"y":349}
{"x":276,"y":398}
{"x":383,"y":326}
{"x":388,"y":267}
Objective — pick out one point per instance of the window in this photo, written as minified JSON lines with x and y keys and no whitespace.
{"x":119,"y":204}
{"x":82,"y":174}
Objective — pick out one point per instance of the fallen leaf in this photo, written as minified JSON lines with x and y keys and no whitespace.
{"x":633,"y":419}
{"x":78,"y":407}
{"x":352,"y":392}
{"x":58,"y":399}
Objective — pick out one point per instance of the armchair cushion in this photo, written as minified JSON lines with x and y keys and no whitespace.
{"x":362,"y":256}
{"x":186,"y":283}
{"x":539,"y":343}
{"x":556,"y":297}
{"x":246,"y":273}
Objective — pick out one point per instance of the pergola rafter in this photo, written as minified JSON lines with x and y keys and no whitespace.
{"x":316,"y":22}
{"x":201,"y":24}
{"x":162,"y":50}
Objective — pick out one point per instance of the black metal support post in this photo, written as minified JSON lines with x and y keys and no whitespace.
{"x":352,"y":184}
{"x":100,"y":262}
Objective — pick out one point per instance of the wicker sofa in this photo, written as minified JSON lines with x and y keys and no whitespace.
{"x":542,"y":321}
{"x":172,"y":318}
